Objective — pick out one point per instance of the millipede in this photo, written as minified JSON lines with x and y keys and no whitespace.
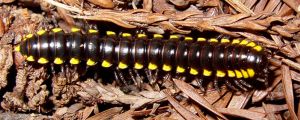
{"x":235,"y":62}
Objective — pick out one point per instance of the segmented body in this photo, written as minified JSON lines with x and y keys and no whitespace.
{"x":223,"y":59}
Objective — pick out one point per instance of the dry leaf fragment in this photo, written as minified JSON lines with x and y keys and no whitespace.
{"x":192,"y":93}
{"x":242,"y":113}
{"x":135,"y":101}
{"x":223,"y":102}
{"x":246,"y":25}
{"x":147,"y":5}
{"x":87,"y":112}
{"x":270,"y":115}
{"x":152,"y":94}
{"x":124,"y":116}
{"x":291,"y":63}
{"x":65,"y":15}
{"x":107,"y":114}
{"x":168,"y":26}
{"x":259,"y":95}
{"x":239,"y":6}
{"x":75,"y":107}
{"x":180,"y":3}
{"x":285,"y":10}
{"x":60,"y":112}
{"x":295,"y":75}
{"x":103,"y":3}
{"x":2,"y":27}
{"x":180,"y":109}
{"x":6,"y":62}
{"x":293,"y":4}
{"x":6,"y":1}
{"x":215,"y":95}
{"x":161,"y":6}
{"x":240,"y":101}
{"x":288,"y":90}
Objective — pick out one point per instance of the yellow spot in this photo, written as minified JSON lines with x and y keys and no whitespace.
{"x":188,"y":38}
{"x":257,"y":48}
{"x":126,"y":35}
{"x":194,"y":71}
{"x":220,"y":73}
{"x":17,"y":48}
{"x":174,"y":37}
{"x":251,"y":44}
{"x":224,"y":40}
{"x":106,"y":64}
{"x":207,"y":72}
{"x":157,"y":36}
{"x":230,"y":73}
{"x":180,"y":69}
{"x":152,"y":66}
{"x":235,"y":41}
{"x":29,"y":36}
{"x":167,"y":68}
{"x":245,"y":74}
{"x":93,"y":31}
{"x":244,"y":42}
{"x":238,"y":74}
{"x":110,"y":33}
{"x":213,"y":40}
{"x":41,"y":32}
{"x":122,"y":65}
{"x":58,"y":61}
{"x":201,"y":39}
{"x":30,"y":58}
{"x":55,"y":30}
{"x":250,"y":72}
{"x":90,"y":62}
{"x":141,"y":35}
{"x":74,"y":61}
{"x":138,"y":66}
{"x":75,"y":29}
{"x":43,"y":60}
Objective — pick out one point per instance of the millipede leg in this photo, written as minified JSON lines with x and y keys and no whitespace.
{"x":138,"y":78}
{"x":151,"y":77}
{"x":168,"y":76}
{"x":200,"y":83}
{"x":228,"y":84}
{"x":148,"y":74}
{"x":216,"y":84}
{"x":73,"y":72}
{"x":155,"y":76}
{"x":62,"y":69}
{"x":96,"y":75}
{"x":67,"y":73}
{"x":52,"y":69}
{"x":240,"y":85}
{"x":117,"y":77}
{"x":245,"y":83}
{"x":264,"y":78}
{"x":140,"y":31}
{"x":122,"y":78}
{"x":132,"y":76}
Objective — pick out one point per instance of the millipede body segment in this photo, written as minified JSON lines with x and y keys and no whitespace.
{"x":221,"y":59}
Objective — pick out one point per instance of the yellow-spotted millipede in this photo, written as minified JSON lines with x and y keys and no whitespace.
{"x":233,"y":61}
